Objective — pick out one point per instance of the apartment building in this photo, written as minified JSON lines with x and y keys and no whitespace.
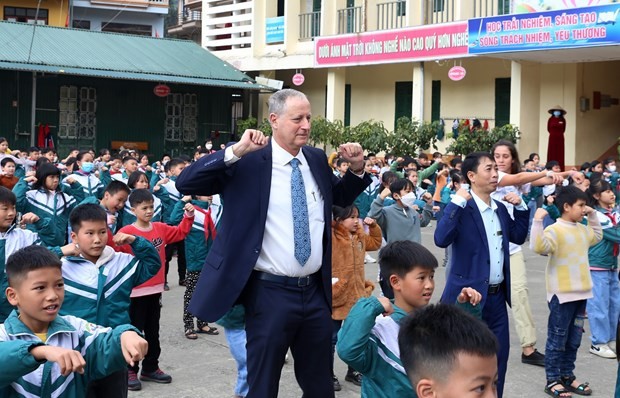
{"x":136,"y":17}
{"x":51,"y":12}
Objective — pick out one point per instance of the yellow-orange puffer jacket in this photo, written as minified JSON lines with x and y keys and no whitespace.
{"x":348,"y":251}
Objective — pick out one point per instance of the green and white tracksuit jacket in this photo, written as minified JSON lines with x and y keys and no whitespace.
{"x":24,"y":377}
{"x":196,"y":245}
{"x":90,"y":184}
{"x":55,"y":206}
{"x":368,"y":342}
{"x":11,"y":241}
{"x":100,"y":293}
{"x":169,"y":195}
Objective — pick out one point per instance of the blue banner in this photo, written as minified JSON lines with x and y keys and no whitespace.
{"x":274,"y":30}
{"x":570,"y":28}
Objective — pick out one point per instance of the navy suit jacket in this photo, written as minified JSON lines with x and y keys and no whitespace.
{"x":245,"y":188}
{"x":463,"y":228}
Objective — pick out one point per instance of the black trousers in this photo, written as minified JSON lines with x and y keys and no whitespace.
{"x":181,"y":263}
{"x":114,"y":385}
{"x":144,"y":313}
{"x":280,"y":316}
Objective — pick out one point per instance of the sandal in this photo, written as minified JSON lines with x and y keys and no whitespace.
{"x":211,"y":330}
{"x":581,"y":389}
{"x":561,"y":391}
{"x":191,"y":334}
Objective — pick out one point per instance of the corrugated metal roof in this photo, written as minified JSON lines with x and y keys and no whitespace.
{"x":112,"y":55}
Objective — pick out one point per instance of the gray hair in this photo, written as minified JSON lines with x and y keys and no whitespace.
{"x":277,"y":101}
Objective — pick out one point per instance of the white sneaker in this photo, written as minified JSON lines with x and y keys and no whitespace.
{"x":602,"y":350}
{"x":612,"y":346}
{"x":368,"y":259}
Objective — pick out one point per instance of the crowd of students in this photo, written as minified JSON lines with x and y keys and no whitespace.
{"x":88,"y":239}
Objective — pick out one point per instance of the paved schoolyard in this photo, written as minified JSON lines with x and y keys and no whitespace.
{"x":204,"y":367}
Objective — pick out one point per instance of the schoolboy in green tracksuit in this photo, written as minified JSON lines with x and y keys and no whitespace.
{"x":46,"y":355}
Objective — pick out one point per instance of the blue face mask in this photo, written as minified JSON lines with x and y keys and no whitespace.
{"x":557,"y":113}
{"x":87,"y":167}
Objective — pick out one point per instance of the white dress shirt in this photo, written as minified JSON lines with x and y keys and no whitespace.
{"x":277,"y":255}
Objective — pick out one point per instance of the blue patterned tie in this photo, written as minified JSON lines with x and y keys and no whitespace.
{"x":301,"y":229}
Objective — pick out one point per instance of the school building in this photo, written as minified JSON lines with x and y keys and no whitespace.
{"x":500,"y":61}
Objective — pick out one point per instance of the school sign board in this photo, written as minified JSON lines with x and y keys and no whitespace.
{"x":569,"y":28}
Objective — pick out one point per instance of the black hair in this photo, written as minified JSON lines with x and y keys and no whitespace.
{"x":532,"y":155}
{"x":165,"y":155}
{"x":3,"y":139}
{"x":174,"y":163}
{"x":140,"y":196}
{"x":340,"y":161}
{"x":103,"y":152}
{"x":135,"y":177}
{"x":47,"y":150}
{"x":43,"y":171}
{"x":526,"y":161}
{"x":431,"y":338}
{"x":456,"y":177}
{"x":400,"y":257}
{"x":593,"y":164}
{"x":116,"y":157}
{"x":7,"y":196}
{"x":86,"y":212}
{"x":585,"y":166}
{"x":551,"y":164}
{"x":422,"y":155}
{"x":471,"y":163}
{"x":407,"y":160}
{"x":34,"y":149}
{"x":408,"y":172}
{"x":184,"y":158}
{"x":370,"y":154}
{"x":342,"y":213}
{"x":6,"y":160}
{"x":115,"y":187}
{"x":455,"y":161}
{"x":569,"y":195}
{"x":597,"y":186}
{"x":202,"y":150}
{"x":399,"y":185}
{"x":388,"y":177}
{"x":515,"y":166}
{"x":70,"y":161}
{"x":80,"y":155}
{"x":609,"y":160}
{"x":40,"y":161}
{"x":29,"y":258}
{"x":128,"y":158}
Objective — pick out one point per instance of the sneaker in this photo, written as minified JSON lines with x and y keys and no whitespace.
{"x":602,"y":350}
{"x":354,"y":377}
{"x":368,"y":259}
{"x":337,"y":386}
{"x":535,"y":358}
{"x":166,"y":287}
{"x":133,"y":384}
{"x":612,"y":346}
{"x":157,"y":376}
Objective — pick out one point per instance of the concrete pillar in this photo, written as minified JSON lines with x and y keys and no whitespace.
{"x":336,"y":79}
{"x":525,"y":105}
{"x":291,"y":24}
{"x":262,"y":9}
{"x":463,"y":10}
{"x":415,"y":12}
{"x":329,"y":16}
{"x":418,"y":110}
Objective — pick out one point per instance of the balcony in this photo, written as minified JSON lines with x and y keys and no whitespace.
{"x":350,"y":20}
{"x":132,"y":3}
{"x":391,"y":15}
{"x":442,"y":11}
{"x":188,"y":23}
{"x":309,"y":25}
{"x":228,"y":24}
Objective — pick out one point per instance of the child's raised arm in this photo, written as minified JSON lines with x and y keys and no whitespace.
{"x":540,"y":241}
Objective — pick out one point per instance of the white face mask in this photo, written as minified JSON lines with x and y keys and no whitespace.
{"x":409,"y":199}
{"x":611,"y":167}
{"x":208,"y":146}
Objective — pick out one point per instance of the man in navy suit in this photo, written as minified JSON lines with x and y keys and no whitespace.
{"x":479,"y":230}
{"x":255,"y":260}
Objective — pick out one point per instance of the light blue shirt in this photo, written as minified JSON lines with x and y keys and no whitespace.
{"x":493,"y":230}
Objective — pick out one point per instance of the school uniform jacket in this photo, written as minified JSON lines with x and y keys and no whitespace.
{"x":99,"y":293}
{"x":24,"y":377}
{"x":91,"y":185}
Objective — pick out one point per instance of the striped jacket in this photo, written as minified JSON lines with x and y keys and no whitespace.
{"x":90,"y":184}
{"x":99,"y":293}
{"x":55,"y":206}
{"x":196,"y":245}
{"x":169,"y":195}
{"x":23,"y":376}
{"x":10,"y":242}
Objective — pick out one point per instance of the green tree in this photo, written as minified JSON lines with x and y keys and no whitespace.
{"x":411,"y":136}
{"x":476,"y":140}
{"x":372,"y":136}
{"x":252,"y":123}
